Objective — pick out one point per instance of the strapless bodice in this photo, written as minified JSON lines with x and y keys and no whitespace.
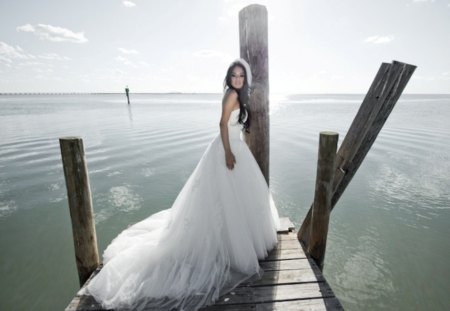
{"x":234,"y":127}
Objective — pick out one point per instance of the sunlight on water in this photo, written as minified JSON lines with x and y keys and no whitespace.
{"x":388,"y":245}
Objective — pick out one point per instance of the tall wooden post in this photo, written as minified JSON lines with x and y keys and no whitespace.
{"x":253,"y":38}
{"x":322,"y":198}
{"x":80,"y":205}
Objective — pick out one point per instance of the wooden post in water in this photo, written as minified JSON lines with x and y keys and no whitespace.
{"x":322,"y":198}
{"x":127,"y":93}
{"x":381,"y":98}
{"x":80,"y":205}
{"x":253,"y":38}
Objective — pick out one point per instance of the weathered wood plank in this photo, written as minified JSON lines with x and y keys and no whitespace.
{"x":318,"y":304}
{"x":84,"y":303}
{"x":287,"y":277}
{"x":289,"y":244}
{"x":285,"y":254}
{"x":260,"y":294}
{"x":286,"y":225}
{"x":288,"y":236}
{"x":279,"y":265}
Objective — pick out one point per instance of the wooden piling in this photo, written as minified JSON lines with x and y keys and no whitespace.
{"x":370,"y":123}
{"x":80,"y":206}
{"x":253,"y":38}
{"x":322,"y":198}
{"x":127,"y":93}
{"x":378,"y":103}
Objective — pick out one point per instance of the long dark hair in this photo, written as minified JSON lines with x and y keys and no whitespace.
{"x":243,"y":94}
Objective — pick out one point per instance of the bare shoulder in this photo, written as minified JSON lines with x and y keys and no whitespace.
{"x":230,"y":94}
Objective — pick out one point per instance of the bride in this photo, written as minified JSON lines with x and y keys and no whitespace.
{"x":210,"y":240}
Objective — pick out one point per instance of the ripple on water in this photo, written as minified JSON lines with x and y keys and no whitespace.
{"x":364,"y":274}
{"x":7,"y":208}
{"x":117,"y":199}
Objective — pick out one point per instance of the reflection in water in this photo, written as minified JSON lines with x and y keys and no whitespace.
{"x":119,"y":199}
{"x":365,"y":274}
{"x":130,"y":113}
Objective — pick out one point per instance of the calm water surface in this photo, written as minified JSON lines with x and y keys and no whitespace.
{"x":388,"y":244}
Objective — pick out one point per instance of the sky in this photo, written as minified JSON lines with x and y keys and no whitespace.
{"x":315,"y":46}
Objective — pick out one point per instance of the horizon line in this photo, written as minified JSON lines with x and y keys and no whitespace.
{"x":175,"y":93}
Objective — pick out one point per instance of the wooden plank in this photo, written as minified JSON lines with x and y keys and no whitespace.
{"x":287,"y":277}
{"x":84,"y":303}
{"x":288,"y":236}
{"x":279,"y":265}
{"x":286,"y":225}
{"x":261,"y":294}
{"x":318,"y":304}
{"x":289,"y":244}
{"x":285,"y":254}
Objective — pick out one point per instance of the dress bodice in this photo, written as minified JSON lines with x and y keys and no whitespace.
{"x":234,"y":127}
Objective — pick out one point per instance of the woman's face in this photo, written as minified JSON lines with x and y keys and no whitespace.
{"x":237,"y":77}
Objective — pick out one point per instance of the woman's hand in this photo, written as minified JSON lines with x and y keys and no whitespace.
{"x":230,"y":160}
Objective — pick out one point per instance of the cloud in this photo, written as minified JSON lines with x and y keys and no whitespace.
{"x":231,"y":8}
{"x":126,"y":51}
{"x":9,"y":54}
{"x":53,"y":33}
{"x":128,"y":4}
{"x":53,"y":56}
{"x":211,"y":54}
{"x":25,"y":28}
{"x":379,"y":39}
{"x":125,"y":61}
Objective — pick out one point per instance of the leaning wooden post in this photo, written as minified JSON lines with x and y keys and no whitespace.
{"x":381,"y":98}
{"x":322,"y":198}
{"x":253,"y":34}
{"x":80,"y":205}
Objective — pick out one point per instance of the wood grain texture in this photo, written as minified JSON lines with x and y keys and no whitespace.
{"x":318,"y":304}
{"x":253,"y":39}
{"x":383,"y":94}
{"x":80,"y":206}
{"x":322,"y":197}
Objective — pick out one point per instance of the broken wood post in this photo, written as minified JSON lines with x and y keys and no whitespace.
{"x":80,"y":206}
{"x":253,"y":38}
{"x":399,"y":75}
{"x":381,"y":98}
{"x":322,"y":197}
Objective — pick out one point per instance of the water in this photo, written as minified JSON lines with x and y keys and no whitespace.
{"x":388,"y":243}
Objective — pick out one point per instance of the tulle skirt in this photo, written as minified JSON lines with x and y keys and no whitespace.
{"x":206,"y":244}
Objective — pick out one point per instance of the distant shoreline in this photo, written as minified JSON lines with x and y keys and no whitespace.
{"x":182,"y":93}
{"x":94,"y":93}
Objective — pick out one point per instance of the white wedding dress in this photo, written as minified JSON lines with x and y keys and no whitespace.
{"x":207,"y":243}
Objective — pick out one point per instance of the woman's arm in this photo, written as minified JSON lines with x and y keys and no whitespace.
{"x":229,"y":103}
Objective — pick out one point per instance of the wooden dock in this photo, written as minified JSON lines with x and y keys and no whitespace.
{"x":291,"y":281}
